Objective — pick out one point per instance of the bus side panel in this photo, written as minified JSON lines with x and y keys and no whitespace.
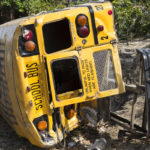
{"x":8,"y":100}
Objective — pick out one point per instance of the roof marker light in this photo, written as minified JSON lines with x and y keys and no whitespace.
{"x":110,"y":12}
{"x":100,"y":28}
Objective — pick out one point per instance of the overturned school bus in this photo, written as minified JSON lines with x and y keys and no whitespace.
{"x":56,"y":66}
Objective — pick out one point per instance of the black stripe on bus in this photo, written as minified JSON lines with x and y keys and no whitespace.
{"x":93,"y":24}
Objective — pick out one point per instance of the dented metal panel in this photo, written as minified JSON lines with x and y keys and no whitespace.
{"x":6,"y":43}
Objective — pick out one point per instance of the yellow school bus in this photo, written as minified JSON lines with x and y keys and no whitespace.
{"x":54,"y":64}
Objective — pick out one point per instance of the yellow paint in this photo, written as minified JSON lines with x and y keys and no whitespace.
{"x":29,"y":105}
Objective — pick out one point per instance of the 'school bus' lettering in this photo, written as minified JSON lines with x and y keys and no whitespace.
{"x":32,"y":71}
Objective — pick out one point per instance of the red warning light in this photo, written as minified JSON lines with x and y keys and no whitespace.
{"x":27,"y":34}
{"x":110,"y":12}
{"x":83,"y":31}
{"x":100,"y":28}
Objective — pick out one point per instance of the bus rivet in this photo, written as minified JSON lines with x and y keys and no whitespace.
{"x":25,"y":74}
{"x":84,"y":41}
{"x":30,"y":102}
{"x":28,"y":89}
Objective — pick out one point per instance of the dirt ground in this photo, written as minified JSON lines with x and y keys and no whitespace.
{"x":85,"y":136}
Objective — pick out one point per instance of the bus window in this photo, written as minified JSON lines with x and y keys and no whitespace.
{"x":66,"y":76}
{"x":57,"y":36}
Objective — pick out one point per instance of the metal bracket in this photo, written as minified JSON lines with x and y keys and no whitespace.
{"x":136,"y":90}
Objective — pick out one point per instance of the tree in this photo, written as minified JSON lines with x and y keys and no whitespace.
{"x":13,"y":6}
{"x":11,"y":9}
{"x":36,"y":6}
{"x":132,"y":16}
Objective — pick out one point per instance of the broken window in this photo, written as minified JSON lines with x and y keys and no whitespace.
{"x":57,"y":36}
{"x":66,"y":76}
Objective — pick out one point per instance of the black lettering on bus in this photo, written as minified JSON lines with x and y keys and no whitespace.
{"x":32,"y":72}
{"x":104,"y":37}
{"x":36,"y":92}
{"x":99,"y":7}
{"x":32,"y":69}
{"x":37,"y":97}
{"x":35,"y":83}
{"x":88,"y":76}
{"x":38,"y":103}
{"x":40,"y":106}
{"x":28,"y":66}
{"x":33,"y":75}
{"x":35,"y":87}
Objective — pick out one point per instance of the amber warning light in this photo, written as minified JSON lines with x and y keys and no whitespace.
{"x":82,"y":20}
{"x":29,"y":46}
{"x":82,"y":25}
{"x":42,"y":125}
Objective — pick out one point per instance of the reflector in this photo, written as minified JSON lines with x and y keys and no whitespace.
{"x":83,"y":31}
{"x":29,"y":46}
{"x":100,"y":28}
{"x":27,"y":34}
{"x":42,"y":125}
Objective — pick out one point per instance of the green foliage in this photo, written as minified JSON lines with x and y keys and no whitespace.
{"x":36,"y":6}
{"x":17,"y":4}
{"x":132,"y":17}
{"x":19,"y":8}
